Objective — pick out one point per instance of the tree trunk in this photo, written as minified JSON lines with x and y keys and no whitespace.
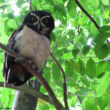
{"x":24,"y":101}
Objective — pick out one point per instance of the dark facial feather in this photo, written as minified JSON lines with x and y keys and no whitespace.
{"x":40,"y":21}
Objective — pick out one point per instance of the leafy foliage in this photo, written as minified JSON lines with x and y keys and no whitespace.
{"x":81,"y":49}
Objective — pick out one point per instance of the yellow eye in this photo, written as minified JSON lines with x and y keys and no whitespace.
{"x":34,"y":19}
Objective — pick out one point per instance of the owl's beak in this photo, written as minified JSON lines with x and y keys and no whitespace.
{"x":38,"y":26}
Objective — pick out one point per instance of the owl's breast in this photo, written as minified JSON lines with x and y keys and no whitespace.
{"x":33,"y":46}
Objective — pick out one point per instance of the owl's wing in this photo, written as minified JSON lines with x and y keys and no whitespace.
{"x":13,"y":72}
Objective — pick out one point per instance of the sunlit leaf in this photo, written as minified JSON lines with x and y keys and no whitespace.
{"x":61,"y":14}
{"x":85,"y":3}
{"x":101,"y":68}
{"x":71,"y":8}
{"x":69,"y":69}
{"x":95,"y":3}
{"x":105,"y":2}
{"x":56,"y":72}
{"x":103,"y":84}
{"x":91,"y":105}
{"x":91,"y":68}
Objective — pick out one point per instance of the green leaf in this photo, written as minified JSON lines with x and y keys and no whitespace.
{"x":95,"y":3}
{"x":11,"y":15}
{"x":12,"y":24}
{"x":52,"y":37}
{"x":37,"y":3}
{"x":47,"y":74}
{"x":76,"y":66}
{"x":19,"y":3}
{"x":91,"y":104}
{"x":69,"y":69}
{"x":56,"y":72}
{"x":67,"y":56}
{"x":86,"y":49}
{"x":44,"y":107}
{"x":8,"y":30}
{"x":59,"y":52}
{"x":91,"y":68}
{"x":101,"y":67}
{"x":101,"y":51}
{"x":93,"y":29}
{"x":82,"y":67}
{"x":103,"y":85}
{"x":50,"y":2}
{"x":101,"y":38}
{"x":105,"y":29}
{"x":71,"y":8}
{"x":75,"y":52}
{"x":85,"y":3}
{"x":104,"y":101}
{"x":105,"y":2}
{"x":61,"y":14}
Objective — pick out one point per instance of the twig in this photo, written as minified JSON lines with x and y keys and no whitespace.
{"x":53,"y":98}
{"x":28,"y":90}
{"x":64,"y":82}
{"x":30,"y":5}
{"x":81,"y":7}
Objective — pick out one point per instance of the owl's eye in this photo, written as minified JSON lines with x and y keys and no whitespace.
{"x":45,"y":20}
{"x":34,"y":19}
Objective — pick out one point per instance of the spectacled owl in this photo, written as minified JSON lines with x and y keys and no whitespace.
{"x":32,"y":41}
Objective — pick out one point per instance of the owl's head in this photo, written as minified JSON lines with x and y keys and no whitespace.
{"x":40,"y":21}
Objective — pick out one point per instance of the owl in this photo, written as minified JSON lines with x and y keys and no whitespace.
{"x":32,"y":41}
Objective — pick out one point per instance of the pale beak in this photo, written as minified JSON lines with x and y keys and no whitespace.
{"x":38,"y":26}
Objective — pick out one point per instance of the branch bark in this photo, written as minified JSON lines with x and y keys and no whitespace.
{"x":53,"y":98}
{"x":64,"y":82}
{"x":90,"y":17}
{"x":30,"y":5}
{"x":28,"y":90}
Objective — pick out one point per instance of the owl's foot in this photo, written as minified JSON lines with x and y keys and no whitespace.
{"x":22,"y":59}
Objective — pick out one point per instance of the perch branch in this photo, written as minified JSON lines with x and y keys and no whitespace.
{"x":90,"y":17}
{"x":53,"y":98}
{"x":30,"y":5}
{"x":64,"y":82}
{"x":29,"y":91}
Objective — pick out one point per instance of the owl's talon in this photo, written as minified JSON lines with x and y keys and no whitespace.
{"x":33,"y":66}
{"x":20,"y":59}
{"x":30,"y":61}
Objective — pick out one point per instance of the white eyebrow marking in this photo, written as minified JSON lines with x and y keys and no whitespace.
{"x":35,"y":16}
{"x":42,"y":19}
{"x":45,"y":17}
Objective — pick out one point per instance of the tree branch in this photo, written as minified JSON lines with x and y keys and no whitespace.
{"x":53,"y":98}
{"x":30,"y":5}
{"x":90,"y":17}
{"x":64,"y":82}
{"x":28,"y":90}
